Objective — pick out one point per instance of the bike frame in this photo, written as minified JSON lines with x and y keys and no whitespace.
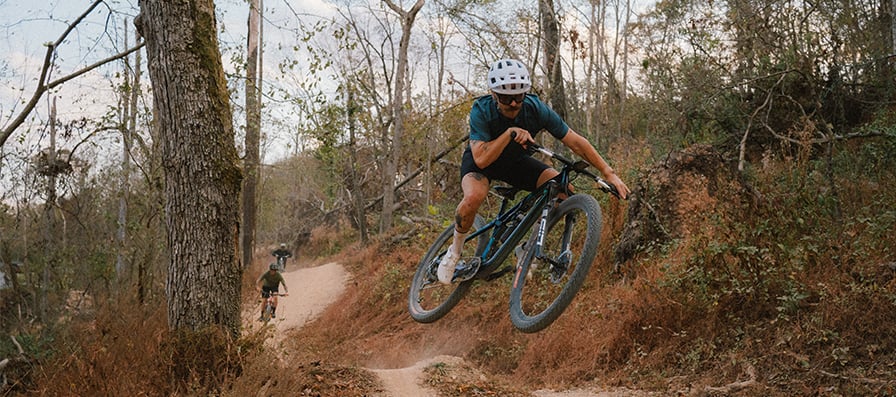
{"x":537,"y":205}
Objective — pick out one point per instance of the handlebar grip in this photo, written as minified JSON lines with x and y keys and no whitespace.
{"x":529,"y":147}
{"x":609,"y":188}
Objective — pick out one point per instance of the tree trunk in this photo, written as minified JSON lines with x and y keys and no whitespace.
{"x":132,"y":128}
{"x":202,"y":177}
{"x":127,"y":124}
{"x":407,"y":21}
{"x":358,"y":194}
{"x":51,"y":243}
{"x":624,"y":86}
{"x":253,"y":127}
{"x":592,"y":78}
{"x":551,"y":27}
{"x":893,"y":26}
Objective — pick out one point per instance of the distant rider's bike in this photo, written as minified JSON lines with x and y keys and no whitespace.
{"x":281,"y":262}
{"x":552,"y":262}
{"x":268,"y":311}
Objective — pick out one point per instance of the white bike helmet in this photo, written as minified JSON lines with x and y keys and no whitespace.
{"x":509,"y":77}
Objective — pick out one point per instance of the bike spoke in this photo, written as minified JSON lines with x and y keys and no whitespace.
{"x":429,"y":299}
{"x":558,"y":270}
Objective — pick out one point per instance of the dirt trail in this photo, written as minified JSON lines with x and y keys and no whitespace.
{"x":311,"y":290}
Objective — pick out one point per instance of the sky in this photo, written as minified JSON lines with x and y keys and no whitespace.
{"x":27,"y":25}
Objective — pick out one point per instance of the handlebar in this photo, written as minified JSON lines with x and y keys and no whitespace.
{"x":578,"y":166}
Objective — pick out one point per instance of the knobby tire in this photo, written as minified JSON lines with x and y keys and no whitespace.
{"x":268,"y":312}
{"x":428,"y":299}
{"x":536,"y":302}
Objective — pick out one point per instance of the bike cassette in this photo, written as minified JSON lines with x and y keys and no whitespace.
{"x":466,"y":270}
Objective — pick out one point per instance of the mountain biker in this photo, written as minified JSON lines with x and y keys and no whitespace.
{"x":282,"y":252}
{"x":501,"y":124}
{"x":270,"y":282}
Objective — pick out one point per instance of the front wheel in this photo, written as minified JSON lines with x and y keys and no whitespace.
{"x":268,"y":312}
{"x":430,"y":300}
{"x":545,"y":282}
{"x":281,"y":263}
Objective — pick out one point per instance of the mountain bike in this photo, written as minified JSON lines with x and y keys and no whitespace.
{"x":281,"y":262}
{"x":552,"y":262}
{"x":268,"y":311}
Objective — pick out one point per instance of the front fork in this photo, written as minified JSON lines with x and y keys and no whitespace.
{"x":564,"y":254}
{"x":542,"y":228}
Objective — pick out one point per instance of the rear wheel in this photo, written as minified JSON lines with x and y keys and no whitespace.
{"x":545,"y":283}
{"x":430,"y":300}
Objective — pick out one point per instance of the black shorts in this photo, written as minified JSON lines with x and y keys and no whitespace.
{"x":521,"y":171}
{"x":267,"y":291}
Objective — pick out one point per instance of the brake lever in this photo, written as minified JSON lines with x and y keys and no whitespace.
{"x":609,"y":188}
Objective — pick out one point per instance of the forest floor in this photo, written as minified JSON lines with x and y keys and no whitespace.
{"x":313,"y":289}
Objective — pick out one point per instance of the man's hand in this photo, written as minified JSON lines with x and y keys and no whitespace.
{"x":614,"y":180}
{"x":520,"y":136}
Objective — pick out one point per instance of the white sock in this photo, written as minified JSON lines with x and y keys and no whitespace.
{"x":458,"y":243}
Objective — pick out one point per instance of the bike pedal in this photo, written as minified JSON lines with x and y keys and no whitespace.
{"x":466,"y":270}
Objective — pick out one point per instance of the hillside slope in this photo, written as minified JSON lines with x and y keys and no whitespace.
{"x":785,"y":296}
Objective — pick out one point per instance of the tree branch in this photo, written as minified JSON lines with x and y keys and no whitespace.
{"x":43,"y":87}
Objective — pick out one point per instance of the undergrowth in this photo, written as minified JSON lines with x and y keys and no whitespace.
{"x":797,"y":295}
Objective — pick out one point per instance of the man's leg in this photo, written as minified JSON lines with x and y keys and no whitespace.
{"x":475,"y":187}
{"x":546,"y":175}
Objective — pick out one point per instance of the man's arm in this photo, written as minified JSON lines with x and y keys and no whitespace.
{"x":584,"y":149}
{"x":486,"y":152}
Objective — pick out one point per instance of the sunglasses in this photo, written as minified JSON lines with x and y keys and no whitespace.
{"x":508,"y":99}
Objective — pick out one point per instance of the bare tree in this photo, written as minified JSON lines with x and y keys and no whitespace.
{"x":202,"y":176}
{"x":407,"y":22}
{"x":357,"y":193}
{"x":550,"y":25}
{"x":128,"y":127}
{"x":253,"y":133}
{"x":50,"y":236}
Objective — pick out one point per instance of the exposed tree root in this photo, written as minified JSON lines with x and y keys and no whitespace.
{"x":731,"y":387}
